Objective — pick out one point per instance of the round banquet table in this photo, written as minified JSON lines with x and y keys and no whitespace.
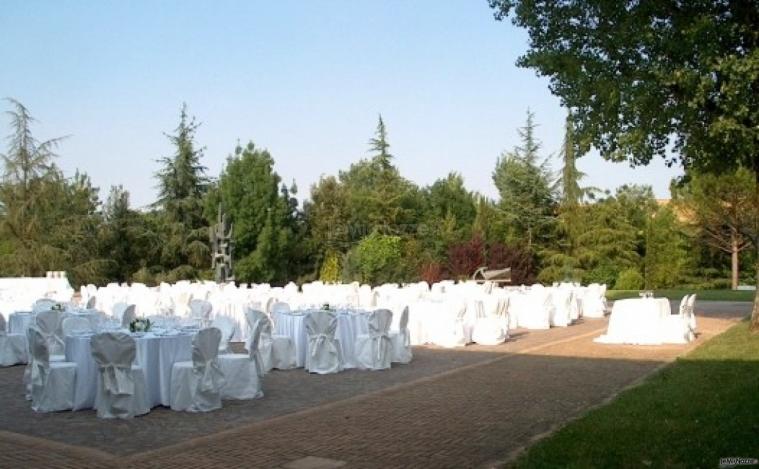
{"x":350,"y":323}
{"x":428,"y":316}
{"x":19,"y":322}
{"x":155,"y":354}
{"x":638,"y":321}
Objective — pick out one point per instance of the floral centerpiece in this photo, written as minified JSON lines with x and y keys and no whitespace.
{"x":140,"y":325}
{"x":325,"y":307}
{"x":57,"y":307}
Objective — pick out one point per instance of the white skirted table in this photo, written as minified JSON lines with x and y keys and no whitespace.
{"x":155,"y":354}
{"x":639,"y":321}
{"x":350,"y":323}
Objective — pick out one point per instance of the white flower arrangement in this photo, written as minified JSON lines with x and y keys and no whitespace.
{"x":140,"y":325}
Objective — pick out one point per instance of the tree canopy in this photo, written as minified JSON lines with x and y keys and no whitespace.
{"x":669,"y":78}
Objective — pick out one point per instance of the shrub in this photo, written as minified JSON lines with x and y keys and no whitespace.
{"x":431,"y":272}
{"x":464,"y":258}
{"x":501,"y":256}
{"x":375,"y":260}
{"x":602,"y":273}
{"x":629,"y":279}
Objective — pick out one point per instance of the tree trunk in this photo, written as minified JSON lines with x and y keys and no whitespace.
{"x":755,"y":311}
{"x":735,"y":260}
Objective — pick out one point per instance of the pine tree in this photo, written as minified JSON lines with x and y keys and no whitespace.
{"x":527,"y":198}
{"x":182,"y":185}
{"x":380,"y":146}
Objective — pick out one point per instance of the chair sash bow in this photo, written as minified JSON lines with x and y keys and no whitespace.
{"x":117,"y":380}
{"x":211,"y":376}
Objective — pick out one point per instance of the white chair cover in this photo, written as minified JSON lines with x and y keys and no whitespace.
{"x":201,"y":309}
{"x":52,"y":383}
{"x":277,"y":351}
{"x":323,"y":355}
{"x":49,"y":323}
{"x":401,"y":340}
{"x":13,"y":347}
{"x":196,"y":385}
{"x":374,"y":351}
{"x":562,"y":307}
{"x":243,"y":372}
{"x":75,"y":325}
{"x":681,"y":328}
{"x":491,"y":327}
{"x":117,"y":310}
{"x":227,"y":327}
{"x":43,"y":304}
{"x":121,"y":391}
{"x":263,"y":354}
{"x":280,"y":307}
{"x":449,"y":330}
{"x":594,"y":301}
{"x":128,"y":316}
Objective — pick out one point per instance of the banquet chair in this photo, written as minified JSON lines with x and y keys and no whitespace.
{"x":227,"y":327}
{"x":562,"y":303}
{"x":490,"y":327}
{"x":91,"y":302}
{"x":43,"y":304}
{"x":276,"y":351}
{"x":75,"y":325}
{"x":449,"y":330}
{"x":128,"y":316}
{"x":117,"y":310}
{"x":691,"y":312}
{"x":374,"y":351}
{"x":121,"y":388}
{"x":243,"y":372}
{"x":52,"y":383}
{"x":593,"y":302}
{"x":201,"y":310}
{"x":196,"y":385}
{"x":269,"y":303}
{"x":181,"y":302}
{"x":680,"y":328}
{"x":13,"y":347}
{"x":538,"y":309}
{"x":401,"y":340}
{"x":49,"y":324}
{"x":323,"y":355}
{"x":280,"y":307}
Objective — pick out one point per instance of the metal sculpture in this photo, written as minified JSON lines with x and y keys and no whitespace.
{"x":222,"y":245}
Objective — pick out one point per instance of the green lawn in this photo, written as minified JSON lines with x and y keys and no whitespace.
{"x":702,"y":407}
{"x":705,"y":295}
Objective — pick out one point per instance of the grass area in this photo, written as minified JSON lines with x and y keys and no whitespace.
{"x":695,"y":411}
{"x":703,"y":295}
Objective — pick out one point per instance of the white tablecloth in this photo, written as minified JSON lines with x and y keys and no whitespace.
{"x":155,"y":354}
{"x":637,"y":321}
{"x":426,"y":316}
{"x":19,"y":322}
{"x":350,"y":323}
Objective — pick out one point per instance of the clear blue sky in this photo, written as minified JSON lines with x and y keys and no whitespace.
{"x":305,"y":79}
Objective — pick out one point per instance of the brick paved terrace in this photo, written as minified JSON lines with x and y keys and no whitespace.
{"x":471,"y":407}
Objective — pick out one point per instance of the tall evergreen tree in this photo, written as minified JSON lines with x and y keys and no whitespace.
{"x":47,"y":221}
{"x":182,"y":185}
{"x":527,"y":198}
{"x":264,"y":214}
{"x":380,"y":146}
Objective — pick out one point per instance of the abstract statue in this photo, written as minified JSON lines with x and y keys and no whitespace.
{"x":221,"y":242}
